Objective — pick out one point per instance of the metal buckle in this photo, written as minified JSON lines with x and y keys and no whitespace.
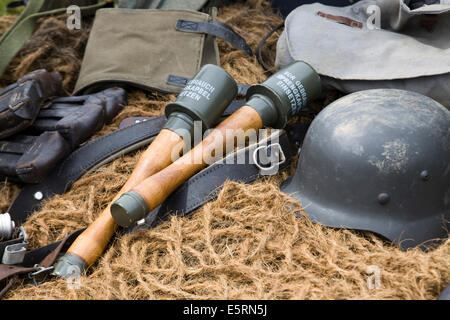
{"x":39,"y":270}
{"x":273,"y":156}
{"x":15,"y":253}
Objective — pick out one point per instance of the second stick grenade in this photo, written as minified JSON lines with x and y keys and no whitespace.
{"x":269,"y":104}
{"x":204,"y":99}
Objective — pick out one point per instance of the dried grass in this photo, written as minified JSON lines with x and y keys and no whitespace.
{"x":247,"y":244}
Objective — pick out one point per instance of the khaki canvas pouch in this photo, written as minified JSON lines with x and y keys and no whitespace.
{"x":410,"y":50}
{"x":142,"y":47}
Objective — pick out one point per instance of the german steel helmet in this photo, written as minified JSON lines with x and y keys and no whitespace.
{"x":378,"y":160}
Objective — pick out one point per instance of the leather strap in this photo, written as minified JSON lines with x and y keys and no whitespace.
{"x":16,"y":36}
{"x":35,"y":260}
{"x":261,"y":45}
{"x":195,"y":192}
{"x":89,"y":157}
{"x":217,"y":29}
{"x":206,"y":185}
{"x":82,"y":160}
{"x":341,"y":19}
{"x":46,"y":256}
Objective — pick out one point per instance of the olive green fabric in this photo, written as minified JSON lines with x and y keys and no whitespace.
{"x":16,"y":36}
{"x":142,"y":48}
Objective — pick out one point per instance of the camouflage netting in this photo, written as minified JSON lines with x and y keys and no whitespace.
{"x":247,"y":244}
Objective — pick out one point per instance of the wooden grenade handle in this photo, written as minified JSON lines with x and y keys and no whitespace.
{"x":92,"y":242}
{"x":155,"y":189}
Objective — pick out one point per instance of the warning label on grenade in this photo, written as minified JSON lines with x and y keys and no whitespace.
{"x":294,"y":90}
{"x":196,"y":89}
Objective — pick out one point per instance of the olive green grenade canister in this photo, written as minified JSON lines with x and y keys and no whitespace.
{"x":129,"y":208}
{"x":69,"y":266}
{"x":204,"y":99}
{"x":284,"y":93}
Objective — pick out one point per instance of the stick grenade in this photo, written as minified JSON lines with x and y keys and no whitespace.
{"x":270,"y":104}
{"x":204,"y":99}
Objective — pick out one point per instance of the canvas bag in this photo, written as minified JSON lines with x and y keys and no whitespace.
{"x":21,"y":30}
{"x":411,"y":51}
{"x":150,"y":49}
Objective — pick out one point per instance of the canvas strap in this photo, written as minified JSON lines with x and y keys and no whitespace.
{"x":217,"y":29}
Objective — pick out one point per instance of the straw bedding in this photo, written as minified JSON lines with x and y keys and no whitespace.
{"x":247,"y":244}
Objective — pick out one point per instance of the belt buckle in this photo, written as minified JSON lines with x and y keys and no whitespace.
{"x":15,"y":253}
{"x":273,"y":155}
{"x":39,"y":270}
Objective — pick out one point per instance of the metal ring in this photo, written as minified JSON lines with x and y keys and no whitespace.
{"x":269,"y":170}
{"x":39,"y":270}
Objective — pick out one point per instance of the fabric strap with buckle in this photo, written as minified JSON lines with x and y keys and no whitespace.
{"x":217,"y":29}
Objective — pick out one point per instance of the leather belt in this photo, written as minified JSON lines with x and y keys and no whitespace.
{"x":133,"y":134}
{"x":87,"y":158}
{"x":36,"y":262}
{"x":199,"y":189}
{"x":205,"y":185}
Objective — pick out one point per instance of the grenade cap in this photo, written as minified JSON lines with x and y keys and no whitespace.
{"x":284,"y":93}
{"x":204,"y":99}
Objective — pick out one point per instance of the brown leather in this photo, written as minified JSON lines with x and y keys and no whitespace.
{"x":9,"y":272}
{"x":112,"y":100}
{"x":20,"y":102}
{"x":77,"y":118}
{"x":341,"y":19}
{"x":29,"y":158}
{"x":8,"y":286}
{"x":50,"y":259}
{"x":58,"y":129}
